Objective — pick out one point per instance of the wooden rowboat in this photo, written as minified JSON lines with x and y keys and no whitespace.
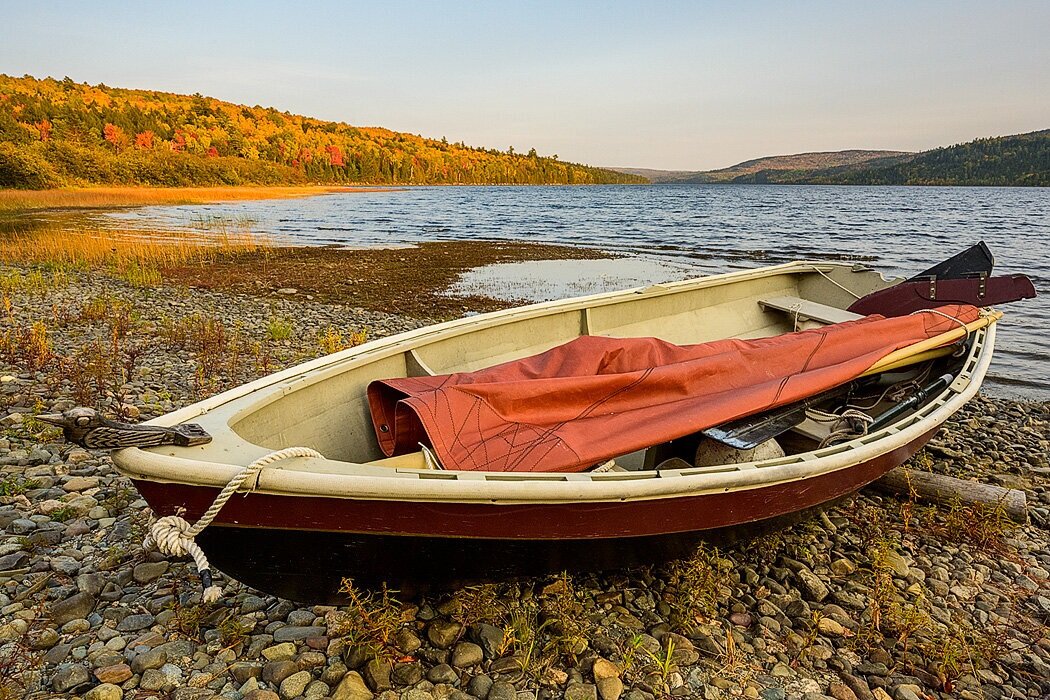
{"x":304,"y":523}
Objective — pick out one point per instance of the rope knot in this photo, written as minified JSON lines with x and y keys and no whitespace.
{"x":171,"y":535}
{"x":174,"y":536}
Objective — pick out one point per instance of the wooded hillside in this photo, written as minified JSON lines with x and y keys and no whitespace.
{"x":56,"y":133}
{"x":1022,"y":159}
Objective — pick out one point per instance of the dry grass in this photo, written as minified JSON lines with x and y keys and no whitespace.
{"x":130,"y":255}
{"x":696,"y":587}
{"x":108,"y":197}
{"x":372,"y":618}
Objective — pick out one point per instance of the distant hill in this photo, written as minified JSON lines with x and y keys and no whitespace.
{"x":57,"y":133}
{"x":795,"y":162}
{"x":1019,"y":160}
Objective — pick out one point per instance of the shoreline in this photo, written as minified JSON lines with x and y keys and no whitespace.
{"x":16,"y":202}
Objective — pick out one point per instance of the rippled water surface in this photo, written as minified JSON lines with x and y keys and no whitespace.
{"x":678,"y":231}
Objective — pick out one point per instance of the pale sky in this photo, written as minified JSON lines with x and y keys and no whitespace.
{"x":687,"y":85}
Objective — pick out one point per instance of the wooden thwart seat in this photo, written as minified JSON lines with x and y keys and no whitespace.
{"x":808,"y":310}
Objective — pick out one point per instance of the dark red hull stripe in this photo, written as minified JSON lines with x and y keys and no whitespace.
{"x":540,"y":521}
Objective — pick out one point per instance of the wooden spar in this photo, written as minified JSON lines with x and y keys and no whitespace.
{"x":939,"y":488}
{"x":894,"y":359}
{"x":911,"y":360}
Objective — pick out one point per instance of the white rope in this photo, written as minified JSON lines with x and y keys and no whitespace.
{"x":174,"y":536}
{"x":429,"y":458}
{"x":828,"y":278}
{"x":854,"y":424}
{"x":953,"y":319}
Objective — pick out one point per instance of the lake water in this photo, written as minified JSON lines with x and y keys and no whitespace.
{"x":673,"y":232}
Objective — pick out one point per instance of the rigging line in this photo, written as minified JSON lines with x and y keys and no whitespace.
{"x":828,"y":278}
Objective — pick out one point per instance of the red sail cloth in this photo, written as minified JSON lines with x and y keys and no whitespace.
{"x":595,"y":398}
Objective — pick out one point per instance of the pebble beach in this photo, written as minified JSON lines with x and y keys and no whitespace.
{"x":877,"y":598}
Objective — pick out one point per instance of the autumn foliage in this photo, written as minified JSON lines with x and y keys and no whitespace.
{"x":60,"y":133}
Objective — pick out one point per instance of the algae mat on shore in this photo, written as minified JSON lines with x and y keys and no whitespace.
{"x":409,"y":281}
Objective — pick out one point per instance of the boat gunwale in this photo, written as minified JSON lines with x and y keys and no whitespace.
{"x":532,"y":487}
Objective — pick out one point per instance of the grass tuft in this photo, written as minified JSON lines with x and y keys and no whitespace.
{"x":695,"y":587}
{"x":279,"y":329}
{"x":372,"y":619}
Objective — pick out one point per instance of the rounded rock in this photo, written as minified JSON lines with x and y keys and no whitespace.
{"x":467,"y":654}
{"x":149,"y":571}
{"x":105,"y":691}
{"x":295,"y":684}
{"x":443,"y":633}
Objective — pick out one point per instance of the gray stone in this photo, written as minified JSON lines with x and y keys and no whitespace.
{"x":772,"y":694}
{"x":134,"y":623}
{"x":165,"y":678}
{"x":301,"y":618}
{"x":178,"y":648}
{"x":812,"y":586}
{"x":407,"y":673}
{"x":15,"y":560}
{"x":377,"y":675}
{"x":442,"y":673}
{"x":872,"y":669}
{"x":57,"y":654}
{"x":69,"y":678}
{"x":489,"y":637}
{"x":581,"y":691}
{"x":75,"y":607}
{"x":154,"y":658}
{"x":22,"y":526}
{"x":297,"y":634}
{"x":467,"y":654}
{"x":480,"y":685}
{"x":149,"y":571}
{"x":67,"y":566}
{"x":90,"y":583}
{"x":502,"y":690}
{"x":252,"y":603}
{"x":443,"y":633}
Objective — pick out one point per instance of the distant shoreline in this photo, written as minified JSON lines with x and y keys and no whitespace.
{"x":18,"y":201}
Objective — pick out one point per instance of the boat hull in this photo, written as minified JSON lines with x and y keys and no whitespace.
{"x":301,"y":548}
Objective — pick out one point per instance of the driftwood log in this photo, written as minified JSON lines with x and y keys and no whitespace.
{"x":946,"y":489}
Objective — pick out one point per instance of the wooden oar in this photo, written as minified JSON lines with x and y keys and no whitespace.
{"x":894,"y":359}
